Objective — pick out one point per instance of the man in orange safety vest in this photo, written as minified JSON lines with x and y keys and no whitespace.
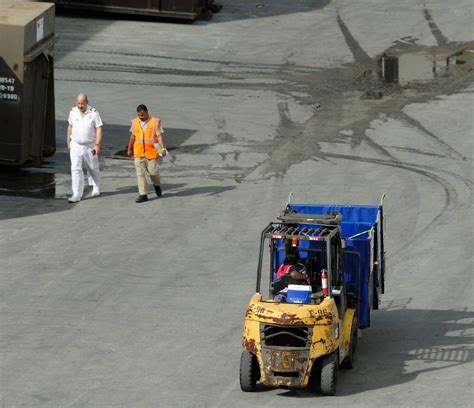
{"x":146,"y":146}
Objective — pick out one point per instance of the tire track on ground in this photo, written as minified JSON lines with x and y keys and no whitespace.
{"x":451,"y":195}
{"x":413,"y":123}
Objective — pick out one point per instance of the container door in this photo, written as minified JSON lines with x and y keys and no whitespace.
{"x":178,"y":6}
{"x":131,"y":4}
{"x":49,"y":140}
{"x":337,"y":286}
{"x":373,"y":298}
{"x":40,"y":73}
{"x":380,"y":254}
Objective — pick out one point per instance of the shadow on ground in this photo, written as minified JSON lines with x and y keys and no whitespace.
{"x":21,"y":207}
{"x":207,"y":190}
{"x":40,"y":181}
{"x":115,"y":139}
{"x":402,"y":344}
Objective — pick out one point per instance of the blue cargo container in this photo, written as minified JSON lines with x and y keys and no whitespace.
{"x":361,"y":229}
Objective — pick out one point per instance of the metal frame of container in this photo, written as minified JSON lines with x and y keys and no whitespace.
{"x":27,"y":109}
{"x":180,"y":9}
{"x":314,"y":225}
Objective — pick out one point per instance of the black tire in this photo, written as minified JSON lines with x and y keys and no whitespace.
{"x":329,"y":374}
{"x":350,"y":359}
{"x":249,"y":372}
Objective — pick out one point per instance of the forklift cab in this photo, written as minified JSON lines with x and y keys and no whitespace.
{"x":321,"y":251}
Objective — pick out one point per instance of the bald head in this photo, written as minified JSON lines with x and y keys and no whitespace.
{"x":81,"y":102}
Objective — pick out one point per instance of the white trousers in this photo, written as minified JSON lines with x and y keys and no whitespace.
{"x":82,"y":158}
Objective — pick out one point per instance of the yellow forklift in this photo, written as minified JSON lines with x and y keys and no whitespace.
{"x":326,"y":272}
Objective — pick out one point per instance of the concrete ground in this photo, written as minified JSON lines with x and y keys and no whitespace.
{"x":107,"y":303}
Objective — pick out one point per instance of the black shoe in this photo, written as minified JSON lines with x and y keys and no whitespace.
{"x":158,"y":191}
{"x":141,"y":199}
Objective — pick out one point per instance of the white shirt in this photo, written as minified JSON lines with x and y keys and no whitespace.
{"x":84,"y":127}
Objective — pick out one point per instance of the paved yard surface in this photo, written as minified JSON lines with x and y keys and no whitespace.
{"x":108,"y":303}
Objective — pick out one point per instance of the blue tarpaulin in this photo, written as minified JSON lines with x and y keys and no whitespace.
{"x":360,"y":278}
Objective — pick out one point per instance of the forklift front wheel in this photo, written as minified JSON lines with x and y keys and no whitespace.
{"x":349,"y":361}
{"x":329,"y":374}
{"x":249,"y":372}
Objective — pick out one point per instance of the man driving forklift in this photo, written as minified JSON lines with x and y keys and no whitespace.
{"x":291,"y":272}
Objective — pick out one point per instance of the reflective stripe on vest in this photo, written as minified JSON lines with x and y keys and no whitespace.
{"x":144,"y":145}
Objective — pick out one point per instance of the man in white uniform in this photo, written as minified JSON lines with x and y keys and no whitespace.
{"x":84,"y":138}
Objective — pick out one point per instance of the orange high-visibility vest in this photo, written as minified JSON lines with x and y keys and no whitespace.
{"x":144,"y":145}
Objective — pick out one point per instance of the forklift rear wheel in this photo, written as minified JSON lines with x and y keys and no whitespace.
{"x":329,"y":374}
{"x":349,"y":361}
{"x":249,"y":372}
